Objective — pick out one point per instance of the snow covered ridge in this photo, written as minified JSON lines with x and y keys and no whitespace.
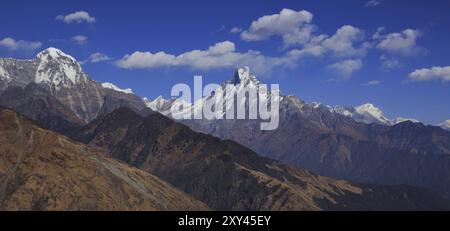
{"x":115,"y":88}
{"x":369,"y":113}
{"x":445,"y":125}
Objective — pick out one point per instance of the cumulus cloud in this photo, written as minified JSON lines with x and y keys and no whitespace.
{"x":296,"y":29}
{"x":76,"y":17}
{"x":404,"y":43}
{"x":429,"y":74}
{"x":342,"y":42}
{"x":293,"y":26}
{"x":346,"y":67}
{"x":97,"y":57}
{"x":220,"y":55}
{"x":14,"y":45}
{"x":372,"y":83}
{"x":372,"y":3}
{"x":80,"y":39}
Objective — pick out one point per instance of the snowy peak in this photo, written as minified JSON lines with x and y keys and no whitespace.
{"x":244,"y":76}
{"x":401,"y":120}
{"x":366,"y":113}
{"x":115,"y":88}
{"x":54,"y":53}
{"x":370,"y":109}
{"x":159,"y":104}
{"x":57,"y":69}
{"x":369,"y":113}
{"x":445,"y":125}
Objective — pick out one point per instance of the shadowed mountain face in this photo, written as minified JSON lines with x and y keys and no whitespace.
{"x":41,"y":170}
{"x":39,"y":105}
{"x":228,"y":176}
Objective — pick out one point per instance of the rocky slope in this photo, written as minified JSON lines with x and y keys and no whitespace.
{"x":228,"y":176}
{"x":41,"y":170}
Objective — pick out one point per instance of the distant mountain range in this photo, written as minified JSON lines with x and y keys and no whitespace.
{"x":358,"y":144}
{"x":224,"y":174}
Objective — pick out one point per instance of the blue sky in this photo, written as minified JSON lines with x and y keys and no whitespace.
{"x":394,"y":54}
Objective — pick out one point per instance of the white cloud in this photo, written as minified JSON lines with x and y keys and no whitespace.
{"x":342,"y":42}
{"x":13,"y":45}
{"x":372,"y":83}
{"x":80,"y":39}
{"x":97,"y":57}
{"x":236,"y":30}
{"x":389,"y":62}
{"x":220,"y":55}
{"x":404,"y":43}
{"x":292,"y":25}
{"x":372,"y":3}
{"x":378,"y":34}
{"x":429,"y":74}
{"x":296,"y":29}
{"x":347,"y":67}
{"x":76,"y":17}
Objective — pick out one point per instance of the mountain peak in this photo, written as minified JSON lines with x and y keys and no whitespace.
{"x":58,"y":68}
{"x":116,"y":88}
{"x":53,"y":53}
{"x":369,"y":109}
{"x":445,"y":125}
{"x":159,"y":104}
{"x":244,"y":76}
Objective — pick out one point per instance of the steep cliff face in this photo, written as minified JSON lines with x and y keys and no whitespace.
{"x":227,"y":176}
{"x":35,"y":102}
{"x":41,"y":170}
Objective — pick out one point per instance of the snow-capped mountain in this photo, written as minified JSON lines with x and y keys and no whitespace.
{"x":445,"y":125}
{"x":116,"y":88}
{"x":242,"y":80}
{"x":58,"y":70}
{"x":63,"y":78}
{"x":245,"y":77}
{"x":369,"y":113}
{"x":159,"y":104}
